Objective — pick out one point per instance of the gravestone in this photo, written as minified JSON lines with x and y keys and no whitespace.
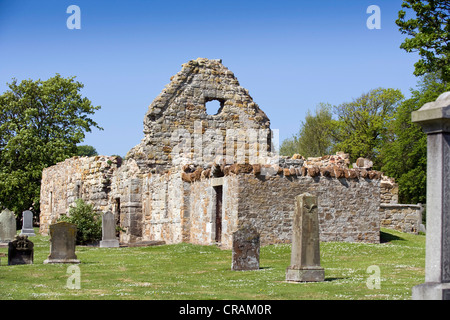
{"x":27,"y":224}
{"x":20,"y":251}
{"x":62,"y":243}
{"x":305,"y":254}
{"x":7,"y":226}
{"x":109,"y":239}
{"x":245,"y":255}
{"x":434,"y":117}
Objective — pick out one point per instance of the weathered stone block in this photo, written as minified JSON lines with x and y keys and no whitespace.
{"x":305,"y":255}
{"x":27,"y":224}
{"x":313,"y":171}
{"x":7,"y":226}
{"x":20,"y":251}
{"x":62,"y":243}
{"x":339,"y":173}
{"x":109,"y":239}
{"x":245,"y":254}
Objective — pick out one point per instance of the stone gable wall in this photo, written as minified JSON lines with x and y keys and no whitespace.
{"x":179,"y":111}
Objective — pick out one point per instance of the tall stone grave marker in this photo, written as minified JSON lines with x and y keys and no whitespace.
{"x":7,"y":226}
{"x":245,"y":255}
{"x":20,"y":251}
{"x":62,"y":243}
{"x":27,"y":224}
{"x":434,"y":117}
{"x":109,"y":239}
{"x":305,"y":255}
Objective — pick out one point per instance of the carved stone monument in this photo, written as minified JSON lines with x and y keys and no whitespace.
{"x":245,"y":255}
{"x":62,"y":243}
{"x":27,"y":224}
{"x":7,"y":226}
{"x":305,"y":255}
{"x":109,"y":239}
{"x":434,"y":117}
{"x":20,"y":251}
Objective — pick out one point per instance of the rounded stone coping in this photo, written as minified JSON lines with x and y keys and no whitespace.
{"x":191,"y":173}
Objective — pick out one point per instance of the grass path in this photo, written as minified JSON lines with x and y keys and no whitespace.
{"x":187,"y":271}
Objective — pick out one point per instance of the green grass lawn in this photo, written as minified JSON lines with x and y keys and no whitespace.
{"x":186,"y":271}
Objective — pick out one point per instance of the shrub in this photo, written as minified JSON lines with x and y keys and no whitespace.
{"x":89,"y":223}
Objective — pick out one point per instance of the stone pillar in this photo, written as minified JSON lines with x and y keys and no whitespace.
{"x":131,"y":211}
{"x":434,"y":117}
{"x":305,"y":255}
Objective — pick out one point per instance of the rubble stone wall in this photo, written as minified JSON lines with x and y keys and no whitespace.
{"x":88,"y":178}
{"x":162,"y":203}
{"x":179,"y":206}
{"x":203,"y":202}
{"x":401,"y":217}
{"x":177,"y":121}
{"x":348,"y":208}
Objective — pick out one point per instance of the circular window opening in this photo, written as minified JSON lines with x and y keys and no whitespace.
{"x":213,"y":107}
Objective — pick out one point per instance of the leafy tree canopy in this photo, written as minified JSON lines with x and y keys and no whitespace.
{"x":41,"y":123}
{"x":429,"y":35}
{"x":314,"y":138}
{"x":404,"y":154}
{"x":86,"y":151}
{"x":361,"y":124}
{"x":359,"y":127}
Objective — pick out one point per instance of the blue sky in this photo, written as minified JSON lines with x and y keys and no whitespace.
{"x":290,"y":55}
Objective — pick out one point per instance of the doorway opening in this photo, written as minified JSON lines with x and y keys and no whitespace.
{"x":218,"y":220}
{"x":117,"y":216}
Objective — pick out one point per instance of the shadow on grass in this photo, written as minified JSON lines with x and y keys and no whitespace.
{"x":334,"y":279}
{"x":327,"y":279}
{"x":87,"y":262}
{"x":387,"y":237}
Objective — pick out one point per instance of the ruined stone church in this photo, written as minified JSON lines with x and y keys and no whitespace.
{"x":197,"y":177}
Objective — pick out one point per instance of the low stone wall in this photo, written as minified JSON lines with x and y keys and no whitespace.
{"x":389,"y":190}
{"x":348,"y":208}
{"x":401,"y":217}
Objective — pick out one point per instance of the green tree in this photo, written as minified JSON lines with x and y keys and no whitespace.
{"x":289,"y":146}
{"x":405,"y":152}
{"x":86,"y":151}
{"x":314,"y":137}
{"x":361,"y":127}
{"x":41,"y":123}
{"x":429,"y":35}
{"x":89,"y":223}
